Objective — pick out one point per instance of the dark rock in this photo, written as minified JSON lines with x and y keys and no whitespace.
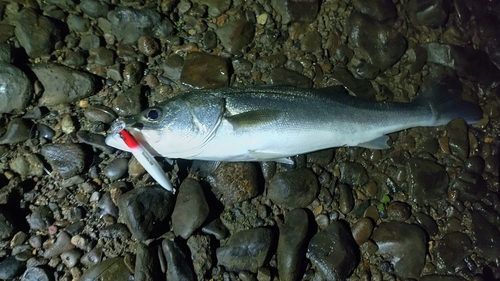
{"x":292,"y":245}
{"x":146,"y":211}
{"x":283,"y":76}
{"x":10,"y":268}
{"x":67,"y":160}
{"x":6,"y":228}
{"x":191,"y":208}
{"x":106,"y":206}
{"x":116,"y":169}
{"x":428,"y":181}
{"x":145,"y":265}
{"x":353,"y":174}
{"x":234,"y":182}
{"x":293,"y":189}
{"x":457,"y":133}
{"x":115,"y":231}
{"x":37,"y":274}
{"x":451,"y":249}
{"x":62,"y":84}
{"x":17,"y":95}
{"x":359,"y":87}
{"x":398,"y":211}
{"x":133,"y":72}
{"x":380,"y":10}
{"x":346,"y":199}
{"x":61,"y":245}
{"x":129,"y":102}
{"x":475,"y":164}
{"x":94,"y":8}
{"x":486,"y":237}
{"x":172,"y":67}
{"x":41,"y":218}
{"x":430,"y":13}
{"x":428,"y":223}
{"x":203,"y":70}
{"x":362,"y":230}
{"x":246,"y":250}
{"x":383,"y":45}
{"x":334,"y":252}
{"x":236,"y":34}
{"x":110,"y":269}
{"x":179,"y":264}
{"x":471,"y":187}
{"x":36,"y":33}
{"x":216,"y":228}
{"x":405,"y":245}
{"x":200,"y":247}
{"x":89,"y":41}
{"x":215,"y":7}
{"x":296,"y":11}
{"x":436,"y":277}
{"x":101,"y":56}
{"x":78,"y":23}
{"x":18,"y":130}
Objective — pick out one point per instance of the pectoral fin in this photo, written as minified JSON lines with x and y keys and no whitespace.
{"x":378,"y":143}
{"x":254,"y":118}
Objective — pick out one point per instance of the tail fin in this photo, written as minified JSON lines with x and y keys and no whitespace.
{"x":446,"y":105}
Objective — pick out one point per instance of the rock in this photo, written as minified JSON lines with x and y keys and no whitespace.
{"x":94,"y":8}
{"x":148,"y":46}
{"x":106,"y":206}
{"x":41,"y":218}
{"x":146,"y":211}
{"x":36,"y":33}
{"x":179,"y":264}
{"x":89,"y":41}
{"x":200,"y":247}
{"x":362,"y":230}
{"x":296,"y":11}
{"x":236,"y":34}
{"x":191,"y":208}
{"x":6,"y":228}
{"x":71,"y":258}
{"x":404,"y":244}
{"x":383,"y":45}
{"x":380,"y":10}
{"x":215,"y":7}
{"x":78,"y":23}
{"x":428,"y":223}
{"x":201,"y":70}
{"x":133,"y":73}
{"x":67,"y":160}
{"x":129,"y":102}
{"x":17,"y":95}
{"x":110,"y":269}
{"x":62,"y":84}
{"x":346,"y":200}
{"x":486,"y":237}
{"x":234,"y":182}
{"x":99,"y":113}
{"x":246,"y":250}
{"x":293,"y":189}
{"x":18,"y":130}
{"x":292,"y":245}
{"x":334,"y":252}
{"x":457,"y":132}
{"x":61,"y":245}
{"x":353,"y":174}
{"x":359,"y":87}
{"x":37,"y":274}
{"x":283,"y":76}
{"x":436,"y":277}
{"x":216,"y":228}
{"x":451,"y":249}
{"x":471,"y":187}
{"x":398,"y":211}
{"x":430,"y":13}
{"x":95,"y":140}
{"x":428,"y":181}
{"x":27,"y":165}
{"x":145,"y":263}
{"x":101,"y":56}
{"x":5,"y":53}
{"x":116,"y":169}
{"x":10,"y":268}
{"x":115,"y":231}
{"x":173,"y":66}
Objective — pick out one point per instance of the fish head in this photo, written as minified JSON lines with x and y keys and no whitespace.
{"x":179,"y":127}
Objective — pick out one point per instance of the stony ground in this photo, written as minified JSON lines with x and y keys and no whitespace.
{"x":73,"y":208}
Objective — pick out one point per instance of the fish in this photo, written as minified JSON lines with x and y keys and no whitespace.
{"x":274,"y":123}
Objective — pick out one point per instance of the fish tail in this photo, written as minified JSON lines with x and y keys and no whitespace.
{"x":444,"y":100}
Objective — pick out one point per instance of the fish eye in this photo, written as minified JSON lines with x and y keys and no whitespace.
{"x":152,"y":114}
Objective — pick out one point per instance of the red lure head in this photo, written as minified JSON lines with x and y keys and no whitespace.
{"x":129,"y":140}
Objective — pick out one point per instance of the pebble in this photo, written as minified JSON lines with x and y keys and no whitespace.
{"x":45,"y":131}
{"x":94,"y":8}
{"x":89,"y":41}
{"x":40,"y":218}
{"x":457,"y":133}
{"x":216,"y":228}
{"x":179,"y":264}
{"x":293,"y":189}
{"x":148,"y":46}
{"x":101,"y":56}
{"x":353,"y":174}
{"x":6,"y":227}
{"x":333,"y":252}
{"x":107,"y":206}
{"x":215,"y":7}
{"x":116,"y":169}
{"x":190,"y":210}
{"x":37,"y":274}
{"x":172,"y":67}
{"x":71,"y":258}
{"x":360,"y":87}
{"x":110,"y":269}
{"x":10,"y":268}
{"x":246,"y":249}
{"x":210,"y":40}
{"x":77,"y":23}
{"x":145,"y":266}
{"x":451,"y":249}
{"x":398,"y":211}
{"x":115,"y":231}
{"x":442,"y":277}
{"x":234,"y":182}
{"x":18,"y":130}
{"x":472,"y":187}
{"x":404,"y":245}
{"x":128,"y":24}
{"x":93,"y":257}
{"x":146,"y":211}
{"x":128,"y":102}
{"x":36,"y":33}
{"x":132,"y":74}
{"x":428,"y":223}
{"x":475,"y":164}
{"x":17,"y":96}
{"x":296,"y":11}
{"x":292,"y":245}
{"x":66,"y":159}
{"x":380,"y":10}
{"x":236,"y":34}
{"x":346,"y":200}
{"x":62,"y":84}
{"x":362,"y":230}
{"x":428,"y":13}
{"x":384,"y":45}
{"x":421,"y":173}
{"x":283,"y":76}
{"x":61,"y":245}
{"x":201,"y":70}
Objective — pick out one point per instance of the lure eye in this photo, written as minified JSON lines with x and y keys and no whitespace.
{"x":153,"y":114}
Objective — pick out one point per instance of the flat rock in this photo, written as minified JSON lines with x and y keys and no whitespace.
{"x":293,"y":189}
{"x":428,"y":181}
{"x":201,"y":70}
{"x":16,"y":96}
{"x":66,"y":159}
{"x":246,"y":249}
{"x":191,"y":209}
{"x":62,"y":84}
{"x":404,"y":245}
{"x":146,"y":211}
{"x":334,"y":252}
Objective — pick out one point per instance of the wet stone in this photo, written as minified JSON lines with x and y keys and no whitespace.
{"x":362,"y":230}
{"x":360,"y":87}
{"x":146,"y":211}
{"x":428,"y":181}
{"x":236,"y":34}
{"x":398,"y":211}
{"x":457,"y":133}
{"x":78,"y":23}
{"x":191,"y":208}
{"x":405,"y":246}
{"x":201,"y":70}
{"x":71,"y":258}
{"x":384,"y":45}
{"x":179,"y":264}
{"x":37,"y":274}
{"x":172,"y":67}
{"x":283,"y":76}
{"x":67,"y":160}
{"x":293,"y":189}
{"x":116,"y":169}
{"x":106,"y":206}
{"x":101,"y":56}
{"x":110,"y":269}
{"x":475,"y":164}
{"x":6,"y":228}
{"x":62,"y":84}
{"x":94,"y":8}
{"x":40,"y":218}
{"x":210,"y":40}
{"x":471,"y":187}
{"x":292,"y":245}
{"x":430,"y":13}
{"x":145,"y":265}
{"x":334,"y":252}
{"x":296,"y":11}
{"x":74,"y":58}
{"x":10,"y":268}
{"x":486,"y":237}
{"x":115,"y":231}
{"x":381,"y":10}
{"x":353,"y":174}
{"x":89,"y":41}
{"x":128,"y":24}
{"x":61,"y":245}
{"x":440,"y":277}
{"x":451,"y":249}
{"x":18,"y":130}
{"x":346,"y":200}
{"x":246,"y":250}
{"x":428,"y":223}
{"x":234,"y":182}
{"x":16,"y":96}
{"x":129,"y":102}
{"x":99,"y":113}
{"x":216,"y":228}
{"x":215,"y":7}
{"x":36,"y":33}
{"x":309,"y":42}
{"x":133,"y":73}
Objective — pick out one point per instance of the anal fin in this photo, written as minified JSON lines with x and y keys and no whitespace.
{"x":378,"y":143}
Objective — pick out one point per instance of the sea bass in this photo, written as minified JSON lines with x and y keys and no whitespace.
{"x":271,"y":123}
